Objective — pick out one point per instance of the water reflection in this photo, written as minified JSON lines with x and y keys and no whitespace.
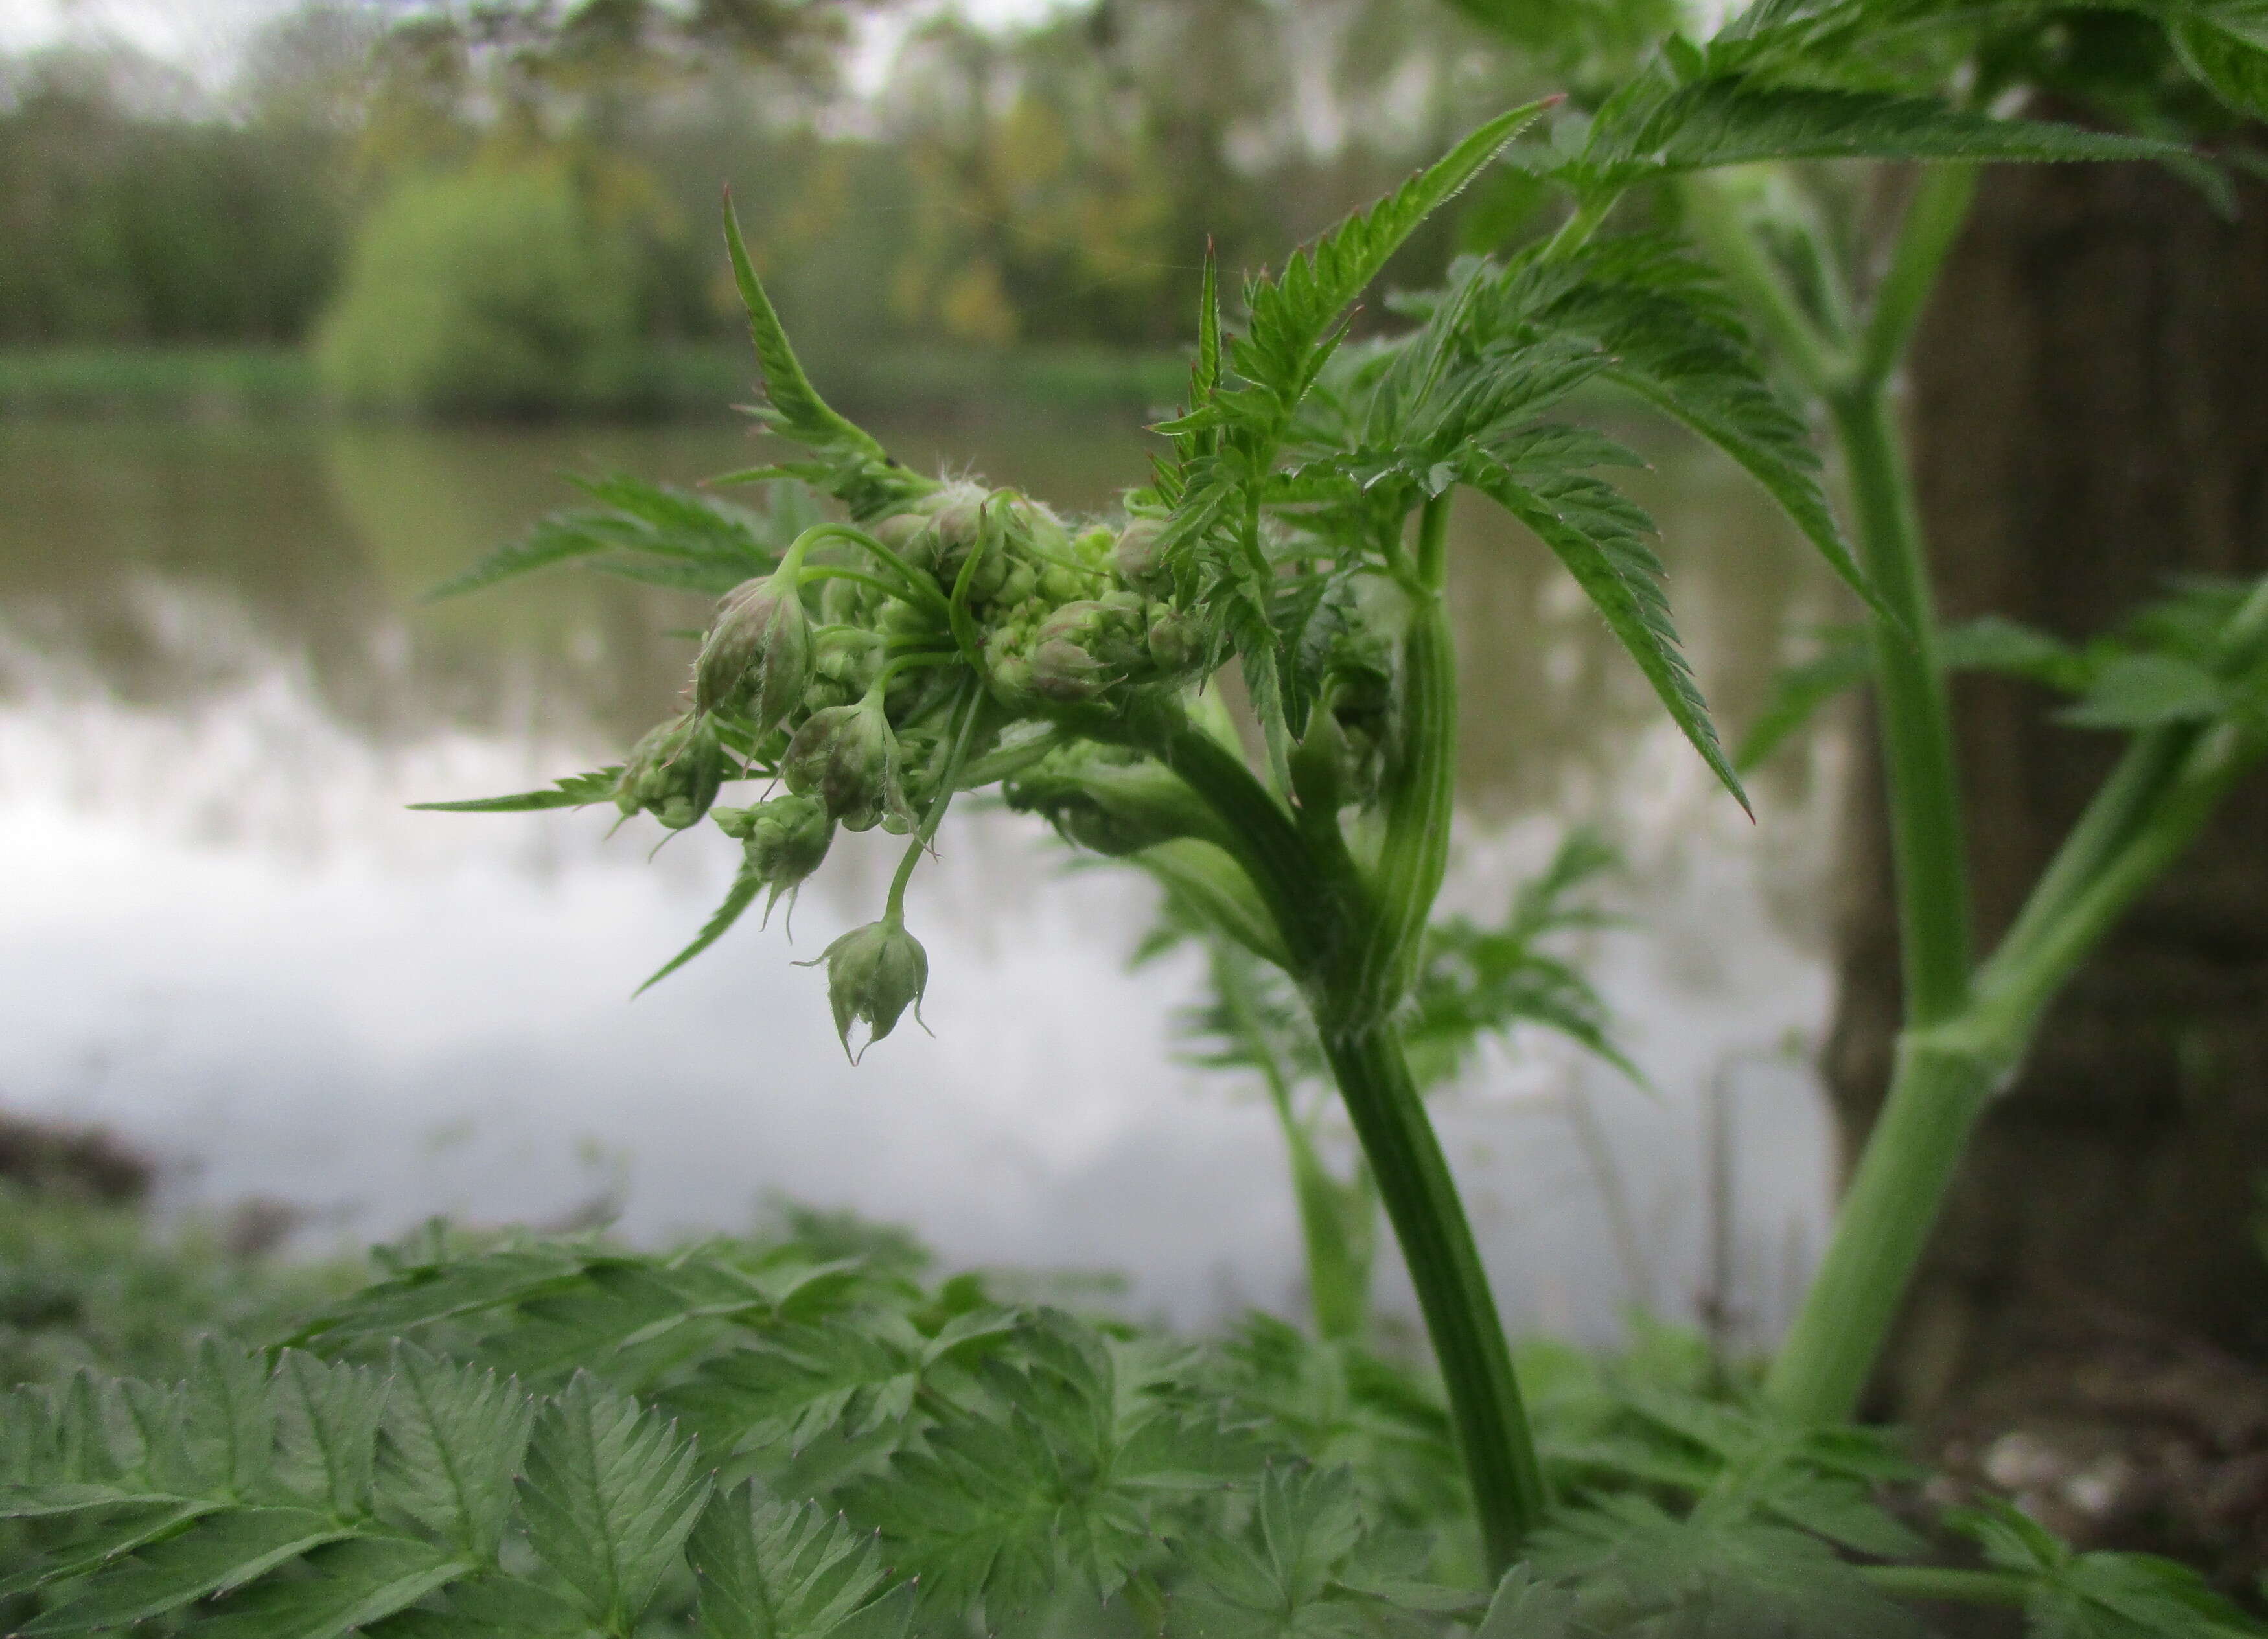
{"x":217,"y":689}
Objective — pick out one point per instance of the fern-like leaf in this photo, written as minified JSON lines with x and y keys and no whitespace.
{"x":1601,"y":538}
{"x":779,"y":1570}
{"x":610,"y":1495}
{"x":454,"y":1441}
{"x":1294,"y":318}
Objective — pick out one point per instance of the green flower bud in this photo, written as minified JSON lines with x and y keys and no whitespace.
{"x":673,"y":772}
{"x":1175,"y":640}
{"x":787,"y":840}
{"x":847,"y":758}
{"x":957,"y":516}
{"x":1064,"y":673}
{"x":899,"y":531}
{"x":1059,"y":585}
{"x":1108,"y":628}
{"x":873,"y":974}
{"x":757,"y":658}
{"x":1137,"y":557}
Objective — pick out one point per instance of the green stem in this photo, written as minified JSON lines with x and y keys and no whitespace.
{"x":1509,"y":1495}
{"x":836,"y":571}
{"x":970,"y":708}
{"x":1934,"y":220}
{"x":1715,"y":219}
{"x":919,"y":587}
{"x":1415,"y":855}
{"x":1935,"y":1095}
{"x":1576,"y":231}
{"x":1947,"y":1074}
{"x":1325,"y":920}
{"x":1338,"y":1284}
{"x":1916,"y":720}
{"x":1884,"y":1222}
{"x":2016,"y":986}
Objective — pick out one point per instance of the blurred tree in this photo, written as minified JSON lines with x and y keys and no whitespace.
{"x":123,"y":217}
{"x":488,"y":291}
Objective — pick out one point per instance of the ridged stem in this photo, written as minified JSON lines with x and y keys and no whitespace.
{"x":1421,"y":1201}
{"x":1331,"y":926}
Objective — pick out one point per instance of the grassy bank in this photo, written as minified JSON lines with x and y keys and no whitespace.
{"x":669,"y":382}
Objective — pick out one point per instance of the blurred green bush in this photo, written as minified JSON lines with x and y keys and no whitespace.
{"x":490,"y":291}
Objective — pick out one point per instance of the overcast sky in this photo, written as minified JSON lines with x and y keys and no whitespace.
{"x":203,"y":36}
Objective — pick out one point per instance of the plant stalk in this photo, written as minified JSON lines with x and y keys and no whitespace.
{"x":1916,"y":719}
{"x":1420,"y":1197}
{"x":1884,"y":1222}
{"x":1346,"y":943}
{"x":1416,"y":854}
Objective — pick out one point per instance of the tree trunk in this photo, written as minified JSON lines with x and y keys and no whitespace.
{"x":2089,"y":419}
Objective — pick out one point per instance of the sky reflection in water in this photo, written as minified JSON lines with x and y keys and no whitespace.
{"x":227,"y":939}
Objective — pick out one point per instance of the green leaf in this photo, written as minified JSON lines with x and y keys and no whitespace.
{"x":327,"y":1429}
{"x":1992,"y":643}
{"x":1599,"y":537}
{"x":1524,"y":1608}
{"x":797,"y":1383}
{"x":422,"y":1294}
{"x":577,"y":791}
{"x":1846,"y":660}
{"x":1654,"y":127}
{"x":610,"y":1495}
{"x":354,"y":1584}
{"x":2143,"y":691}
{"x":1732,"y":122}
{"x":1293,"y":316}
{"x":1636,"y":1568}
{"x":746,"y":884}
{"x":778,"y":1570}
{"x":795,"y":408}
{"x":487,"y":1606}
{"x":221,"y":1552}
{"x":2102,"y":1595}
{"x":552,"y":541}
{"x":126,"y":1526}
{"x":452,"y":1441}
{"x":2231,"y":67}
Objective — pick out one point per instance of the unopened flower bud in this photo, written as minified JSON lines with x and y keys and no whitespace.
{"x":957,"y":516}
{"x":873,"y":974}
{"x":1064,"y":673}
{"x":673,"y":772}
{"x":1176,"y":642}
{"x":787,"y":839}
{"x":757,"y":658}
{"x":1138,"y":556}
{"x":847,"y":758}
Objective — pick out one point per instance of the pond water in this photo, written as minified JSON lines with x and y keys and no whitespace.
{"x":227,"y":939}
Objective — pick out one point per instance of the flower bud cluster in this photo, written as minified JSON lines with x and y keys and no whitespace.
{"x":851,"y":671}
